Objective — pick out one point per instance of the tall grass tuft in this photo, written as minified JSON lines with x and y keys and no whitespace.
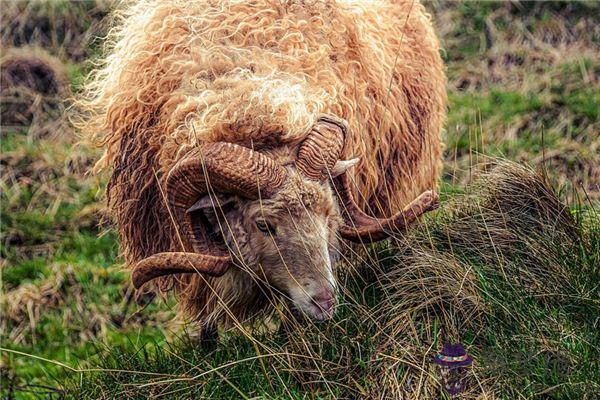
{"x":500,"y":268}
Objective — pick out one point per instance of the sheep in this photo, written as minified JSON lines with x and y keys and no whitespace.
{"x":247,"y":138}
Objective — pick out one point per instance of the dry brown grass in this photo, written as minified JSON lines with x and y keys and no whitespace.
{"x":34,"y":86}
{"x":69,"y":28}
{"x":508,"y":231}
{"x":517,"y":47}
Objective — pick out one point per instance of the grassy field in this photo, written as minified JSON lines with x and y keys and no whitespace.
{"x":507,"y":266}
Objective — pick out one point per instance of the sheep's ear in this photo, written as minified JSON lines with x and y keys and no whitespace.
{"x":211,"y":210}
{"x":342,"y":166}
{"x":209,"y":203}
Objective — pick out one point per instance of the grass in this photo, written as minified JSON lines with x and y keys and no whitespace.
{"x":515,"y":280}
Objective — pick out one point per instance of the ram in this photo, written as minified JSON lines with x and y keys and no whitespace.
{"x":246,"y":139}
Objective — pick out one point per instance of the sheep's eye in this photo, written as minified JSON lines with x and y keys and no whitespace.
{"x":265,"y":227}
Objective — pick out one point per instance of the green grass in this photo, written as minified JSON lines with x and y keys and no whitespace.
{"x":530,"y":322}
{"x":64,"y":293}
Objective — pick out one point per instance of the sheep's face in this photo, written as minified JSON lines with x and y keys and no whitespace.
{"x":289,"y":242}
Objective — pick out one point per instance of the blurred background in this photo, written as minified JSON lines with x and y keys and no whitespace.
{"x":524,"y":84}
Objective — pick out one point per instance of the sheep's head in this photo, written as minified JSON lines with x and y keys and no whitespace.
{"x":236,"y":206}
{"x":287,"y":241}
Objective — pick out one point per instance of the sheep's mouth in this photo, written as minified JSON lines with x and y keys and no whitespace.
{"x":323,"y":315}
{"x":319,"y":314}
{"x":312,"y":310}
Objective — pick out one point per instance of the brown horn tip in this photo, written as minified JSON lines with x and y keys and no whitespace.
{"x":163,"y":264}
{"x":360,"y":227}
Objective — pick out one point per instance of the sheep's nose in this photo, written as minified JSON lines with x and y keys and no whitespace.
{"x":324,"y":300}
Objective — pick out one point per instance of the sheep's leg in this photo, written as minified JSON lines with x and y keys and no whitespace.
{"x":208,"y":339}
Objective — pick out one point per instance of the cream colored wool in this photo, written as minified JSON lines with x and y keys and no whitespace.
{"x":181,"y":72}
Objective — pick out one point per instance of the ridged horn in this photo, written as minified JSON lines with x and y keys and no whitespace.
{"x":316,"y":158}
{"x":222,"y":168}
{"x":322,"y":147}
{"x":213,"y":167}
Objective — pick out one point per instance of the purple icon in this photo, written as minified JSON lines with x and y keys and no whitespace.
{"x":452,"y":365}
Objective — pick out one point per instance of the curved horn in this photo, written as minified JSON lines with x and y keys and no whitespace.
{"x":219,"y":167}
{"x":360,"y":227}
{"x":162,"y":264}
{"x":316,"y":158}
{"x":322,"y":147}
